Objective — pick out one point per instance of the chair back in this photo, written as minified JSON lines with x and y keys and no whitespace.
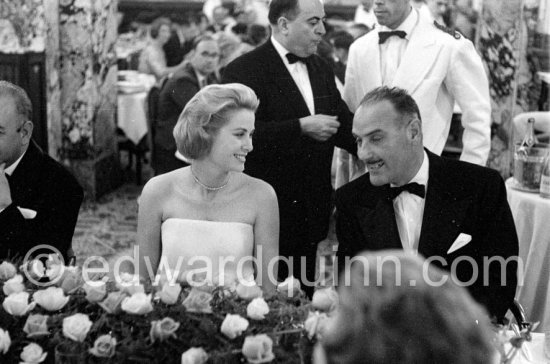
{"x":153,"y":108}
{"x":542,"y":123}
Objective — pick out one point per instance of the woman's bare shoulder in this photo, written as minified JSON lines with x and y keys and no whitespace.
{"x":258,"y":188}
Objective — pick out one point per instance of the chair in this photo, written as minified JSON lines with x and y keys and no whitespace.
{"x":153,"y":109}
{"x":138,"y":151}
{"x":542,"y":125}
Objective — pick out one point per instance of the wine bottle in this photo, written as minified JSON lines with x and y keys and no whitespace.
{"x":545,"y":179}
{"x":529,"y":139}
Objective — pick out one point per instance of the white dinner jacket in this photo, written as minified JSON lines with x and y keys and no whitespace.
{"x":436,"y":69}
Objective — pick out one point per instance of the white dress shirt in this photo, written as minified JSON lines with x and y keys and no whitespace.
{"x":409,"y":210}
{"x":392,"y":50}
{"x":299,"y":74}
{"x":9,"y":171}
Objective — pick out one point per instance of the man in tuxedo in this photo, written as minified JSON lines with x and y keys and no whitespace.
{"x":436,"y":65}
{"x":175,"y":94}
{"x":453,"y":213}
{"x":39,"y":198}
{"x":300,"y":119}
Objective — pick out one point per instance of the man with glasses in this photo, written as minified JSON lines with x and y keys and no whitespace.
{"x":39,"y":198}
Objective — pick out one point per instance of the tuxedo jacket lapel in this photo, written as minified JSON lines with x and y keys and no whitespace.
{"x":443,"y":212}
{"x":419,"y":57}
{"x":379,"y":225}
{"x":287,"y":88}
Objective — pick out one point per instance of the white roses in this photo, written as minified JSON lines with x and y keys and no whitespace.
{"x":137,"y":304}
{"x":257,"y":309}
{"x":76,"y":327}
{"x":194,"y":356}
{"x":17,"y":304}
{"x":233,"y":326}
{"x":5,"y":341}
{"x":258,"y":349}
{"x":51,"y":298}
{"x":33,"y":354}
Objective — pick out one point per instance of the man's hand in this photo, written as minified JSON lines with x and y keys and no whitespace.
{"x":319,"y":127}
{"x":5,"y":193}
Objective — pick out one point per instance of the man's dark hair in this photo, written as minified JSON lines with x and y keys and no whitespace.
{"x":399,"y":98}
{"x":156,"y":24}
{"x":287,"y":8}
{"x":23,"y":105}
{"x":257,"y":34}
{"x":342,"y":39}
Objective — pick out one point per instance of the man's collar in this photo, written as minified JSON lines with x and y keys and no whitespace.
{"x":407,"y":26}
{"x":421,"y":177}
{"x":9,"y":171}
{"x":281,"y":50}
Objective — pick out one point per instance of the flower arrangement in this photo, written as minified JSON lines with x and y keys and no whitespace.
{"x":108,"y":322}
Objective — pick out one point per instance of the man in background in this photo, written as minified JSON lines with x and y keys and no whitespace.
{"x":436,"y":65}
{"x":300,"y":119}
{"x":184,"y":30}
{"x":39,"y":198}
{"x":175,"y":94}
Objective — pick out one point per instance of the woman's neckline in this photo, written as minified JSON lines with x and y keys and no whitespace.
{"x":208,"y":221}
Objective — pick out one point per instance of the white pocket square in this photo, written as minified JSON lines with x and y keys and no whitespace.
{"x":460,"y":242}
{"x":27,"y":213}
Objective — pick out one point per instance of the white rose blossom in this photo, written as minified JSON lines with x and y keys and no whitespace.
{"x":169,"y":293}
{"x":76,"y":327}
{"x":258,"y":349}
{"x":248,"y":290}
{"x":5,"y":341}
{"x":14,"y":285}
{"x":257,"y":309}
{"x":233,"y":326}
{"x":163,"y":329}
{"x":7,"y":271}
{"x":95,"y":293}
{"x":194,"y":356}
{"x":104,"y":347}
{"x":290,"y":286}
{"x":33,"y":354}
{"x":198,"y":301}
{"x":36,"y":325}
{"x":137,"y":304}
{"x":51,"y":298}
{"x":17,"y":304}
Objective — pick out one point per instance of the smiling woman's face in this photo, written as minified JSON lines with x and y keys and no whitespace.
{"x":233,"y":141}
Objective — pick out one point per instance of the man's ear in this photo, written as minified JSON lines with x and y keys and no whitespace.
{"x":26,"y":132}
{"x":415,"y":130}
{"x":282,"y":24}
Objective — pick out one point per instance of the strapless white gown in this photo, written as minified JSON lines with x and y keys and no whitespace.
{"x":199,"y":250}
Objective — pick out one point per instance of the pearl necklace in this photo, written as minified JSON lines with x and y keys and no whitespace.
{"x":209,"y":188}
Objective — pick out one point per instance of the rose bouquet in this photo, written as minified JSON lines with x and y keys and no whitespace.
{"x":102,"y":321}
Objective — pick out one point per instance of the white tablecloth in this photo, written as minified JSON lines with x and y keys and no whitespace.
{"x":532,"y":218}
{"x":132,"y":107}
{"x":132,"y":115}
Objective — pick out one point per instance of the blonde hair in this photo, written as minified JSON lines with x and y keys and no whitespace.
{"x":206,"y":113}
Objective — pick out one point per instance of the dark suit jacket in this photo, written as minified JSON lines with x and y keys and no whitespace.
{"x":175,"y":51}
{"x":174,"y":95}
{"x":297,"y":166}
{"x":461,"y":198}
{"x":45,"y":186}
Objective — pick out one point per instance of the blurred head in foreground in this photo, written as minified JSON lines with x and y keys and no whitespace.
{"x":396,"y":308}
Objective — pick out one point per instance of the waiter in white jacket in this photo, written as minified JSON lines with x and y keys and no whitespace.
{"x":436,"y":65}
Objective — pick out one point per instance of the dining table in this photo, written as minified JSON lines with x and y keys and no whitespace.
{"x":133,"y":88}
{"x":531,"y":214}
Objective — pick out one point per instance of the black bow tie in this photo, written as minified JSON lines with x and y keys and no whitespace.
{"x":292,"y":58}
{"x":383,"y":36}
{"x":415,"y":188}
